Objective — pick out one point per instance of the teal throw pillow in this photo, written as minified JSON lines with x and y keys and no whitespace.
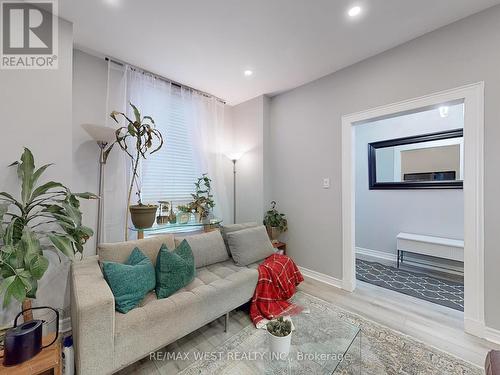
{"x":130,"y":282}
{"x":174,"y":269}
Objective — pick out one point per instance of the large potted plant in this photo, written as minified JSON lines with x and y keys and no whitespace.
{"x":280,"y":335}
{"x":43,"y":214}
{"x":142,"y":135}
{"x":275,"y":222}
{"x":203,"y":201}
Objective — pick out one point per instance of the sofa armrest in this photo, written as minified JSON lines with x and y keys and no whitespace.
{"x":92,"y":318}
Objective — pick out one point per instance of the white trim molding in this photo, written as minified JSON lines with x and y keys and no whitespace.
{"x":492,"y":335}
{"x":390,"y":257}
{"x":473,"y":98}
{"x":321,"y":277}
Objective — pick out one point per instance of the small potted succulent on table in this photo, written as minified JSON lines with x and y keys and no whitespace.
{"x":280,"y":335}
{"x":184,"y":213}
{"x":275,"y":222}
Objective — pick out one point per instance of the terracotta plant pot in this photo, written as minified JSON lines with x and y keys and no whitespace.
{"x":273,"y":233}
{"x":143,"y":216}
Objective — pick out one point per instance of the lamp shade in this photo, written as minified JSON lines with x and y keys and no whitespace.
{"x":100,"y":133}
{"x":234,"y":155}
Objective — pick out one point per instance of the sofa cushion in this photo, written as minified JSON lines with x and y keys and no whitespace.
{"x":250,"y":245}
{"x":131,"y":281}
{"x":234,"y":228}
{"x":120,"y":251}
{"x":174,"y":269}
{"x":208,"y":248}
{"x":215,"y":290}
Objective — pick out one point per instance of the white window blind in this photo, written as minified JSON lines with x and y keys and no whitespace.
{"x":170,"y":173}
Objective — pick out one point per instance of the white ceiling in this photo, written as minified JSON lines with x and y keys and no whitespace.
{"x":208,"y":44}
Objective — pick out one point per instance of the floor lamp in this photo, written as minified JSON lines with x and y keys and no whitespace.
{"x":103,"y":136}
{"x":234,"y":157}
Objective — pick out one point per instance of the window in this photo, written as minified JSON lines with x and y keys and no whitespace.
{"x":170,"y":173}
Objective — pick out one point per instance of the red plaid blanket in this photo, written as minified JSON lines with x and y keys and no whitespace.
{"x":278,"y":277}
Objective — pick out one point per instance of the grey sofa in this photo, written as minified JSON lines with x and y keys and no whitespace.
{"x":106,"y":340}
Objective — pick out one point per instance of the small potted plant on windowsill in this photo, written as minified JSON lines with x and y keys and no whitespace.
{"x":280,"y":335}
{"x":275,"y":222}
{"x":203,"y":201}
{"x":183,"y":214}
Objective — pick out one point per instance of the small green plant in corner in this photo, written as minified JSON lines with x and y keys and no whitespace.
{"x":275,"y":219}
{"x":203,"y":200}
{"x":279,"y":327}
{"x":43,"y":215}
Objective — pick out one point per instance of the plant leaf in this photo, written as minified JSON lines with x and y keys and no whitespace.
{"x":13,"y":288}
{"x":29,"y":246}
{"x":137,"y":114}
{"x":38,"y":266}
{"x":63,"y":244}
{"x":39,"y":172}
{"x":3,"y":289}
{"x":86,"y":195}
{"x":25,"y":171}
{"x":42,"y":189}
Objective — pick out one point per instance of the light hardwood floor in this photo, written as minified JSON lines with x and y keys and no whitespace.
{"x":435,"y":325}
{"x":432,"y":324}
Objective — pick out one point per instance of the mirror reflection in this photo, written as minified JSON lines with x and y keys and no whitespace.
{"x":439,"y":160}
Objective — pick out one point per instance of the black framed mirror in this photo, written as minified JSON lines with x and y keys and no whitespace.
{"x":428,"y":161}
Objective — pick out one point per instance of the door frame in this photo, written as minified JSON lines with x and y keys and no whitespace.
{"x":473,"y":97}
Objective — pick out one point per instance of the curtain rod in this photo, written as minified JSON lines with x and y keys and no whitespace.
{"x":175,"y":83}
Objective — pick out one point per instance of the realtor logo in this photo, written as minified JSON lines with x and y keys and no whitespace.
{"x":29,"y":34}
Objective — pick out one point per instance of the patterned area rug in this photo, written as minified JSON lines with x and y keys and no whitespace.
{"x":383,"y":351}
{"x":442,"y":292}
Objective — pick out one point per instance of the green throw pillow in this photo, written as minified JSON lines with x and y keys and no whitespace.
{"x":130,"y":282}
{"x":174,"y":269}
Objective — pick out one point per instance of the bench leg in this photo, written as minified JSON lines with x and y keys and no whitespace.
{"x":226,"y":322}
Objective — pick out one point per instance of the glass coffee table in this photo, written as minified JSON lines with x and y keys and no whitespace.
{"x":320,"y":345}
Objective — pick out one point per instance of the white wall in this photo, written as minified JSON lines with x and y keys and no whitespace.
{"x":382,"y":214}
{"x":36,"y":109}
{"x":250,"y":122}
{"x":89,"y":107}
{"x":306,"y":135}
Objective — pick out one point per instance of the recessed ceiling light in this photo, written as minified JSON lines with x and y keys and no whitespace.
{"x":247,"y":73}
{"x":113,"y":3}
{"x":354,"y":11}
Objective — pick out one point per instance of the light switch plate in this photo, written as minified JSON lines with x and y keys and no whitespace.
{"x":326,"y":183}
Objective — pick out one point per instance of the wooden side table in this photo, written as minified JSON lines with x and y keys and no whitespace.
{"x":280,"y":246}
{"x":48,"y":359}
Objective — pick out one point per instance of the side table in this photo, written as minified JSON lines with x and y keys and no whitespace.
{"x":280,"y":246}
{"x":48,"y":359}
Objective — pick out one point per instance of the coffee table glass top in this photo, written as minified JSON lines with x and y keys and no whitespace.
{"x":321,"y":344}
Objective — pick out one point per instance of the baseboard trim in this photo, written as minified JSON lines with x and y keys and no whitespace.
{"x":428,"y":264}
{"x":492,"y":335}
{"x":376,"y":254}
{"x":330,"y":280}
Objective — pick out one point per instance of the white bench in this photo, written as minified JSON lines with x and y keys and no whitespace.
{"x":439,"y":247}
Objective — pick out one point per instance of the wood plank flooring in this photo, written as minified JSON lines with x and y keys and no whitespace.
{"x":435,"y":325}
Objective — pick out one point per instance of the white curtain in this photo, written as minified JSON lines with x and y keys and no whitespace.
{"x":210,"y":140}
{"x":192,"y":125}
{"x":116,"y":169}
